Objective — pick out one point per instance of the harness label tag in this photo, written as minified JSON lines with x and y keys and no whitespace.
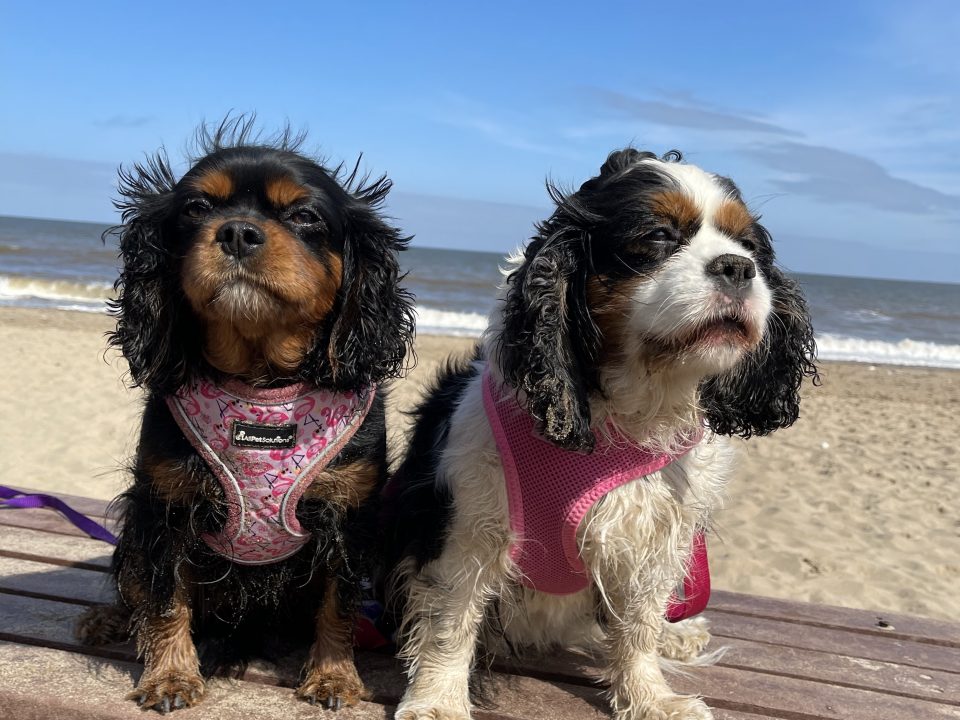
{"x":264,"y":436}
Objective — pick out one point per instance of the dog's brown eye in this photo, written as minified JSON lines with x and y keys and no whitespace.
{"x":303,"y":216}
{"x":661,"y":235}
{"x":197,"y":208}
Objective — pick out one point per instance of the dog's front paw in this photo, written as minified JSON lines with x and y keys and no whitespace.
{"x":424,"y":711}
{"x":672,"y":707}
{"x":685,"y":640}
{"x":332,"y":688}
{"x":169,"y":692}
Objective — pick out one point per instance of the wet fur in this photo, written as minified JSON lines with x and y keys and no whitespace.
{"x":352,"y":331}
{"x":599,"y":325}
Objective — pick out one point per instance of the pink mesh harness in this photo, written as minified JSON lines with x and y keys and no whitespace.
{"x":550,"y":491}
{"x":265,"y":447}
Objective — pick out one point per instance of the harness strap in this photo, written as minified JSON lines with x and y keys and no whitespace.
{"x":692,"y":598}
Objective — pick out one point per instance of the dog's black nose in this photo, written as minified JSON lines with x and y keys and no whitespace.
{"x":735,"y":271}
{"x":239,"y":238}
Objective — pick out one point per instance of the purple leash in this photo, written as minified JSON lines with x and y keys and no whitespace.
{"x":10,"y":498}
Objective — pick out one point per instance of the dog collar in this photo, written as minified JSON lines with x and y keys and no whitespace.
{"x":551,"y":490}
{"x":265,"y":447}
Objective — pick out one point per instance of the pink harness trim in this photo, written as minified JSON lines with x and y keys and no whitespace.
{"x":307,"y":427}
{"x":550,"y":491}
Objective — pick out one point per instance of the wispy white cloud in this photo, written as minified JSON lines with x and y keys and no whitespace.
{"x":124,"y":121}
{"x":688,"y":114}
{"x":828,"y":156}
{"x":507,"y":129}
{"x":834,"y":176}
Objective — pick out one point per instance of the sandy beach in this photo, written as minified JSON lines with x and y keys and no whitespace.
{"x":852,"y":506}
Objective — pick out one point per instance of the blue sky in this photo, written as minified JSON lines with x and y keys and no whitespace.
{"x":837,"y":120}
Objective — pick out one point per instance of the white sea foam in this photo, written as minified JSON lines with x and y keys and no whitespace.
{"x":904,"y":352}
{"x":831,"y":347}
{"x":445,"y":322}
{"x":96,"y":308}
{"x":91,"y":297}
{"x":15,"y":288}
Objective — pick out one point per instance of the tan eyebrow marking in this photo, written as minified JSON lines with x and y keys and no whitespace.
{"x":732,"y":218}
{"x":676,"y":207}
{"x":216,"y":183}
{"x":283,"y":191}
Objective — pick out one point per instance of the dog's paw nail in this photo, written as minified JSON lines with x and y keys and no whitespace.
{"x":339,"y":704}
{"x":164,"y":706}
{"x":178,"y":702}
{"x":330,"y":703}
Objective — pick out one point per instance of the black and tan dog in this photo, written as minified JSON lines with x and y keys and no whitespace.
{"x":258,"y":273}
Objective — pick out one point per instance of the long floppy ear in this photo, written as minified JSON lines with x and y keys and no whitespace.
{"x":762,"y":393}
{"x":373,"y":331}
{"x":549,"y":343}
{"x":146,"y":307}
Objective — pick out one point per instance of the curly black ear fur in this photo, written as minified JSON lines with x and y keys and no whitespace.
{"x":622,"y":159}
{"x":374,"y":326}
{"x":549,"y":344}
{"x":149,"y":332}
{"x":762,"y":393}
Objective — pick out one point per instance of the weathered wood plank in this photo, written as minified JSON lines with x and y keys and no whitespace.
{"x":93,"y":507}
{"x":853,"y":672}
{"x":730,"y":689}
{"x":46,"y":520}
{"x":840,"y":642}
{"x":761,"y":693}
{"x":53,"y":581}
{"x":823,"y":667}
{"x":40,"y":684}
{"x":44,"y":623}
{"x":787,"y":660}
{"x":56,"y":549}
{"x":38,"y":621}
{"x":886,"y":624}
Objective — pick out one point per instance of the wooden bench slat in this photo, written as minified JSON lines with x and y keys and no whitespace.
{"x":47,"y":520}
{"x":55,"y":549}
{"x":726,"y":688}
{"x":524,"y":697}
{"x":804,"y":699}
{"x":920,"y":629}
{"x":839,"y":642}
{"x":876,"y":676}
{"x":42,"y":579}
{"x":90,"y":689}
{"x":721,"y":714}
{"x":842,"y":670}
{"x":39,"y":621}
{"x":97,"y":509}
{"x":839,"y":668}
{"x":937,"y":632}
{"x":45,"y":582}
{"x":791,"y":661}
{"x":39,"y":684}
{"x":46,"y":623}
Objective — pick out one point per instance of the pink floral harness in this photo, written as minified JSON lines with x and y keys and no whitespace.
{"x":265,"y":447}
